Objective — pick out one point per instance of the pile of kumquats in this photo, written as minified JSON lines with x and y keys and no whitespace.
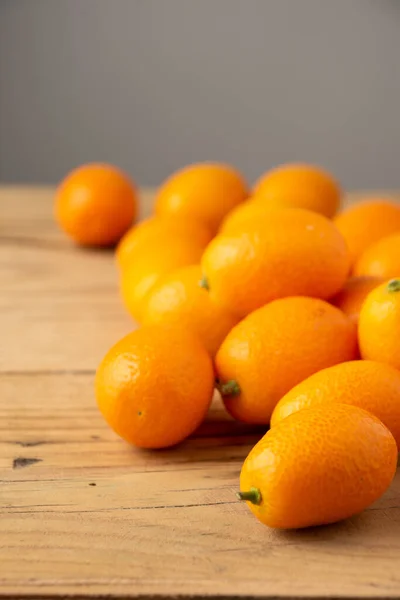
{"x":282,"y":300}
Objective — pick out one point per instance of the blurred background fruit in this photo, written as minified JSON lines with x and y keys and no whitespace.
{"x":144,"y":268}
{"x":179,"y":299}
{"x":381,"y":259}
{"x":250,"y":211}
{"x":353,"y":293}
{"x":299,"y":185}
{"x":155,"y":231}
{"x":366,"y":222}
{"x":205,"y":191}
{"x":96,"y":204}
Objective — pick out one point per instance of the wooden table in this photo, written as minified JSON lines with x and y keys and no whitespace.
{"x":82,"y":513}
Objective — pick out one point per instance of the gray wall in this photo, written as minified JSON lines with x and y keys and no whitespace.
{"x":154,"y":84}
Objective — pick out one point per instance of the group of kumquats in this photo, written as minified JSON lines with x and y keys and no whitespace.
{"x":285,"y":303}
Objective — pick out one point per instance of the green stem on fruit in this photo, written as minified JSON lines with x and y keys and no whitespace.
{"x":394,"y":285}
{"x":204,"y":283}
{"x":253,"y":496}
{"x":229,"y":388}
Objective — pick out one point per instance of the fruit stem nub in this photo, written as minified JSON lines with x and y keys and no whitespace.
{"x":394,"y":285}
{"x":229,"y":388}
{"x":204,"y":283}
{"x":253,"y":496}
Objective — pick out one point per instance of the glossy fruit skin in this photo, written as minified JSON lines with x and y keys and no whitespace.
{"x":295,"y":252}
{"x":366,"y":222}
{"x":96,"y":204}
{"x":379,"y":325}
{"x":149,"y":233}
{"x":154,"y":386}
{"x":203,"y":191}
{"x":368,"y":384}
{"x":381,"y":259}
{"x":145,"y":268}
{"x":179,"y":299}
{"x":276,"y":347}
{"x":247,"y":212}
{"x":351,"y":297}
{"x":320,"y":466}
{"x":301,"y":186}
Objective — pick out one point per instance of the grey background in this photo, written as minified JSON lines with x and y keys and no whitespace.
{"x":154,"y":84}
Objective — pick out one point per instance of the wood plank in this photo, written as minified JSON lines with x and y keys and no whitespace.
{"x":82,"y":513}
{"x":159,"y":523}
{"x":62,"y":299}
{"x":62,"y":307}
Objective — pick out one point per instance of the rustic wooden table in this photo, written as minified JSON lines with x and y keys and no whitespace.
{"x":85,"y":515}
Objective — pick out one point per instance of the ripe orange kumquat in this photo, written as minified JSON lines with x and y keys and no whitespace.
{"x":368,"y":384}
{"x":301,"y":186}
{"x":144,"y":268}
{"x":178,"y":298}
{"x":275,"y":348}
{"x":96,"y":204}
{"x":205,"y":192}
{"x":379,"y":324}
{"x":318,"y":466}
{"x":154,"y":387}
{"x":381,"y":259}
{"x":294,"y":252}
{"x":149,"y":234}
{"x":351,"y":297}
{"x":365,"y":223}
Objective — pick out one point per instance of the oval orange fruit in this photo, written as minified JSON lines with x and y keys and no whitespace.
{"x":250,"y":211}
{"x":144,"y":268}
{"x":299,"y":185}
{"x":154,"y":386}
{"x":318,"y":466}
{"x":294,"y":252}
{"x":205,"y":192}
{"x":156,"y":230}
{"x":366,"y":222}
{"x":96,"y":204}
{"x":352,"y":295}
{"x":379,"y":324}
{"x":178,"y":298}
{"x":381,"y":259}
{"x":368,"y":384}
{"x":276,"y":347}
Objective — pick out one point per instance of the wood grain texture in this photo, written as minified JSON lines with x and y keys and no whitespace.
{"x":83,"y":514}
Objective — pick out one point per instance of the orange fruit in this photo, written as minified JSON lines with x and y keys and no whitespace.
{"x":299,"y":185}
{"x":352,"y":295}
{"x":379,"y":324}
{"x":370,"y":385}
{"x":276,"y":347}
{"x":96,"y":204}
{"x":178,"y":298}
{"x":154,"y":230}
{"x":144,"y":269}
{"x":295,"y":252}
{"x":154,"y":386}
{"x":250,"y":211}
{"x":367,"y":222}
{"x":318,"y":466}
{"x":206,"y":192}
{"x":381,"y":259}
